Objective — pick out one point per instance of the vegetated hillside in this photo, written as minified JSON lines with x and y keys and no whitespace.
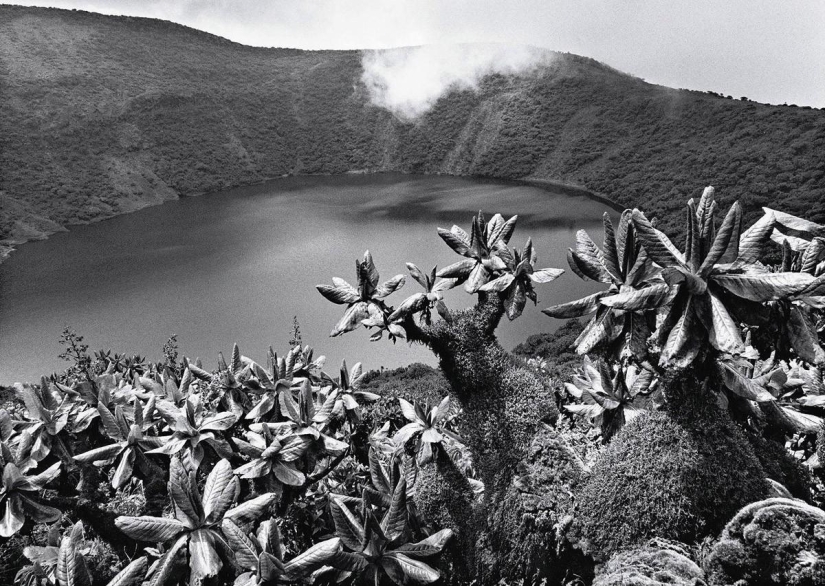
{"x":101,"y":115}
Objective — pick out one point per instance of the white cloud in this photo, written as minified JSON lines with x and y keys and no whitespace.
{"x":767,"y":50}
{"x":408,"y":81}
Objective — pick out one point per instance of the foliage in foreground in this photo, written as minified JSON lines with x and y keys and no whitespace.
{"x":258,"y":475}
{"x":735,"y":339}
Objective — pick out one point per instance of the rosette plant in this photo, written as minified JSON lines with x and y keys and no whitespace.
{"x":634,"y":284}
{"x":365,"y":301}
{"x":378,"y":549}
{"x":719,"y":269}
{"x":69,"y":566}
{"x":798,"y":318}
{"x":19,"y":498}
{"x":483,"y":248}
{"x":48,"y":415}
{"x":516,"y":284}
{"x":481,"y":375}
{"x":428,"y":429}
{"x":129,"y":448}
{"x":609,"y":396}
{"x":308,"y":419}
{"x":271,"y":385}
{"x":348,"y":392}
{"x":196,"y":527}
{"x":261,"y":555}
{"x":274,"y":458}
{"x":193,"y":429}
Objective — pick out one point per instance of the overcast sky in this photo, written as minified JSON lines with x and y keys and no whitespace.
{"x":769,"y":50}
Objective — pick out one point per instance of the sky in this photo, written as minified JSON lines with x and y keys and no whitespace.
{"x":768,"y":50}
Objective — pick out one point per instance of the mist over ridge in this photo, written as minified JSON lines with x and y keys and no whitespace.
{"x":408,"y":81}
{"x":102,"y":115}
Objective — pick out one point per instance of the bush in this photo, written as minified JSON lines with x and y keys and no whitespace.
{"x":779,"y":465}
{"x":669,"y":476}
{"x":770,"y":543}
{"x":658,"y":563}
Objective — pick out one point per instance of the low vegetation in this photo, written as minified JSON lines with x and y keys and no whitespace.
{"x":699,"y":365}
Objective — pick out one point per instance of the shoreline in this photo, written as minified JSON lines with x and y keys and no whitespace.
{"x":7,"y":247}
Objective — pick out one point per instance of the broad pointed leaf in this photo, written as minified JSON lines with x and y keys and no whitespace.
{"x":220,"y":491}
{"x":150,"y":529}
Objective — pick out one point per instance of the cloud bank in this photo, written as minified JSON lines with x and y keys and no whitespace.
{"x":408,"y":81}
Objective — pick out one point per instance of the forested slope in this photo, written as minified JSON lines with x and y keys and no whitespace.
{"x":101,"y":115}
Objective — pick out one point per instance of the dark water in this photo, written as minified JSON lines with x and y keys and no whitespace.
{"x":236,"y":266}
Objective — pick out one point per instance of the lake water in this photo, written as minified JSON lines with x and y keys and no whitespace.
{"x":236,"y":266}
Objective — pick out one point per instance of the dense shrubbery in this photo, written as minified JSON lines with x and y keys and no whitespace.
{"x":773,"y":542}
{"x":262,"y":475}
{"x":693,"y":352}
{"x":672,"y":477}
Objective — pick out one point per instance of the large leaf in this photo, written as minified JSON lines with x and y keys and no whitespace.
{"x":204,"y":560}
{"x":347,"y":527}
{"x":389,"y":287}
{"x":249,"y":511}
{"x":752,"y":242}
{"x":725,"y":246}
{"x":684,"y":340}
{"x":132,"y":575}
{"x":246,"y":555}
{"x":764,"y":286}
{"x":577,"y":308}
{"x":406,"y":571}
{"x":39,"y":481}
{"x":150,"y":529}
{"x":804,"y":338}
{"x":165,"y":571}
{"x":499,"y":284}
{"x":629,"y":299}
{"x":100,"y":454}
{"x":13,"y":516}
{"x":123,"y":472}
{"x":38,"y":512}
{"x":659,"y":248}
{"x":795,"y":223}
{"x":394,"y":522}
{"x":188,"y":506}
{"x":70,"y":568}
{"x":791,"y":420}
{"x":455,"y":240}
{"x":602,"y":328}
{"x":723,"y":332}
{"x":339,"y":295}
{"x":741,"y":385}
{"x":219,"y":422}
{"x":427,"y":547}
{"x":458,"y":270}
{"x":287,"y":474}
{"x":220,"y":491}
{"x":412,"y":304}
{"x":351,"y":319}
{"x":316,"y":556}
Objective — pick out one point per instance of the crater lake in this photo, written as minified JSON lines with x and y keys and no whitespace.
{"x":238,"y":265}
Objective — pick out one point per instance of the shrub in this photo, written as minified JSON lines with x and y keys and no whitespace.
{"x":658,"y":563}
{"x":779,"y":465}
{"x":671,"y":477}
{"x":770,"y":543}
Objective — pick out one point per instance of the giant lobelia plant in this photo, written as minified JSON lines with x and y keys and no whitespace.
{"x":502,"y":401}
{"x":195,"y":532}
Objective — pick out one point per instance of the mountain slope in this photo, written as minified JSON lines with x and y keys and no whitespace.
{"x":102,"y":115}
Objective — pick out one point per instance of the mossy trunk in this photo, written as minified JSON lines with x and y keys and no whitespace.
{"x":506,"y":408}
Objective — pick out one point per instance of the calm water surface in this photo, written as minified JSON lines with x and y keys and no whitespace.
{"x":236,"y":266}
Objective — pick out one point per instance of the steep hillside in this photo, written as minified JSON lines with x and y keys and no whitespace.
{"x":101,"y":115}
